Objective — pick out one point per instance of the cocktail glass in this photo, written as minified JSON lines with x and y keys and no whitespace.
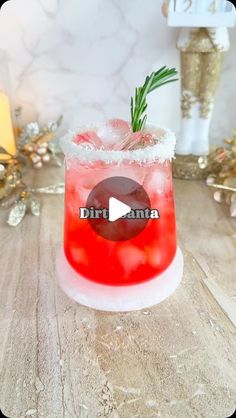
{"x":92,"y":155}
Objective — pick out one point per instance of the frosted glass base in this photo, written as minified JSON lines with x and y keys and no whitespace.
{"x":119,"y":298}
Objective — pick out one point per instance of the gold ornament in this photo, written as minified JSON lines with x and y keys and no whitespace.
{"x":35,"y":144}
{"x":10,"y":176}
{"x":27,"y":202}
{"x":222,"y":173}
{"x":35,"y":148}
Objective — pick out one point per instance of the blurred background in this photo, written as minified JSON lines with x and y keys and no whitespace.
{"x":83,"y":59}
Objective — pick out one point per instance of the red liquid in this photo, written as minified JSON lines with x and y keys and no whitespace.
{"x":124,"y":262}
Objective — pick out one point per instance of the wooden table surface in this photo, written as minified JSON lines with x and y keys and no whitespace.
{"x":176,"y":360}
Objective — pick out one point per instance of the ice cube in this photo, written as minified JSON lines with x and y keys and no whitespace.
{"x":82,"y":194}
{"x":155,"y":180}
{"x":79,"y":255}
{"x":130,"y":141}
{"x":113,"y":132}
{"x":89,"y":138}
{"x":133,"y":227}
{"x":131,"y":257}
{"x":155,"y":257}
{"x":148,"y":140}
{"x":131,"y":171}
{"x":92,"y":177}
{"x":138,"y":140}
{"x":121,"y":187}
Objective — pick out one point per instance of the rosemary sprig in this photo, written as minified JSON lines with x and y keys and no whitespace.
{"x":139,"y":102}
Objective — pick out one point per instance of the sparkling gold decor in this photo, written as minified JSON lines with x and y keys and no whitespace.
{"x":190,"y":167}
{"x":198,"y":85}
{"x":10,"y":176}
{"x":35,"y":143}
{"x":26,"y":201}
{"x":222,"y":174}
{"x":218,"y":168}
{"x":36,"y":149}
{"x":201,"y":52}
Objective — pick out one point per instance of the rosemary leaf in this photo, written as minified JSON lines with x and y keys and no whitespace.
{"x":139,"y":102}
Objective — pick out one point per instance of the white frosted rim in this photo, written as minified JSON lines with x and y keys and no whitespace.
{"x":162,"y":151}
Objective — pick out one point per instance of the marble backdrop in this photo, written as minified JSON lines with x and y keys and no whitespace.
{"x":83,"y":59}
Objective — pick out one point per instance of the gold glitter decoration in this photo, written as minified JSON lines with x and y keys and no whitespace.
{"x":201,"y":63}
{"x":187,"y":101}
{"x":10,"y":175}
{"x":206,"y":105}
{"x":17,"y":213}
{"x":222,"y":173}
{"x":26,"y":202}
{"x":190,"y":167}
{"x":202,"y":40}
{"x":35,"y":143}
{"x":35,"y":148}
{"x":55,"y":189}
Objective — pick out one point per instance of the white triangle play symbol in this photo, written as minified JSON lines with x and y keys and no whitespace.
{"x":117,"y":209}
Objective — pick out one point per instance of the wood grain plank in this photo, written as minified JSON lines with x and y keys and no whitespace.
{"x":176,"y":360}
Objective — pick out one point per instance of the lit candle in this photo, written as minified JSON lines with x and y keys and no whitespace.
{"x":7,"y":139}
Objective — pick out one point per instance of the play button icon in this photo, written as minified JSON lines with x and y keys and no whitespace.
{"x":112,"y":206}
{"x":117,"y":209}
